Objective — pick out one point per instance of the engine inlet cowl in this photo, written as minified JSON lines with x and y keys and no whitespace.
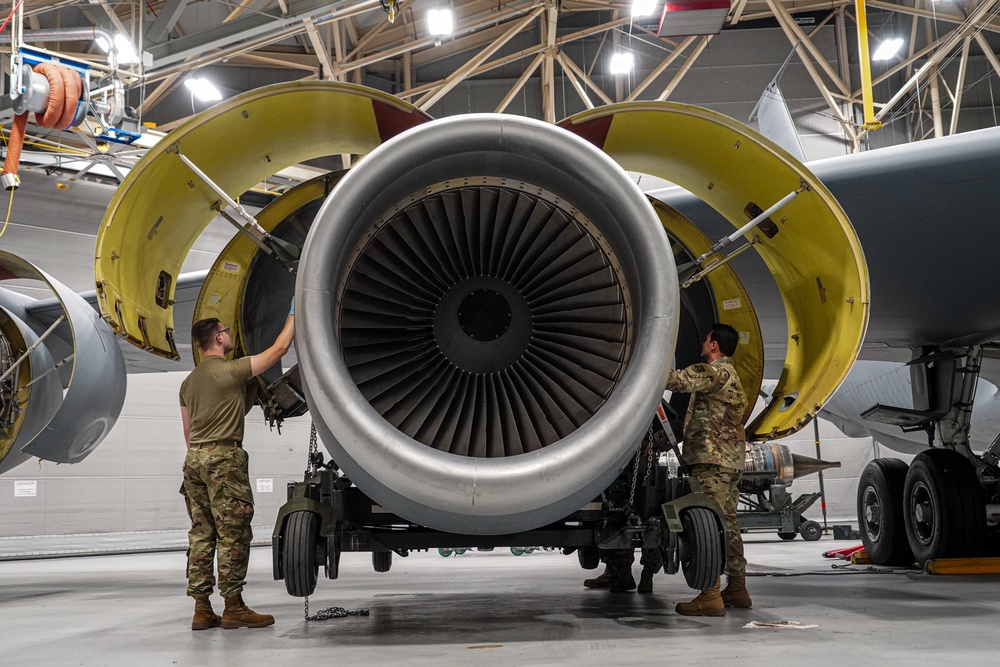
{"x":487,"y":312}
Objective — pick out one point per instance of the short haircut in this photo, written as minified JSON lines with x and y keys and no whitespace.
{"x":726,"y":337}
{"x":204,"y":331}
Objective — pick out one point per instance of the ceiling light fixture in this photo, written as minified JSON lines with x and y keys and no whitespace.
{"x":887,"y":49}
{"x":621,"y":63}
{"x":203,"y":89}
{"x":643,"y":7}
{"x":123,"y":47}
{"x":439,"y":21}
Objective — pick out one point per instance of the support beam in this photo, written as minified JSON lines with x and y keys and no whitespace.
{"x":549,"y":29}
{"x":684,"y":68}
{"x":322,"y":52}
{"x":428,"y":100}
{"x":166,"y":20}
{"x":659,"y":69}
{"x":845,"y":122}
{"x":795,"y":34}
{"x":575,"y":82}
{"x":963,"y":66}
{"x":988,"y":52}
{"x":967,"y":29}
{"x":519,"y":84}
{"x":568,"y":62}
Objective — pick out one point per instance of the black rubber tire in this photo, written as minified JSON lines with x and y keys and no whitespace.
{"x":788,"y":537}
{"x":382,"y":561}
{"x":880,"y":512}
{"x":589,"y":557}
{"x":298,"y":553}
{"x":810,"y":531}
{"x":702,"y":552}
{"x":444,"y":553}
{"x":943,"y":508}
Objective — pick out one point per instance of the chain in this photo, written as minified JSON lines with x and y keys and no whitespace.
{"x":331,"y":612}
{"x":313,"y":450}
{"x":649,"y":455}
{"x":635,"y":476}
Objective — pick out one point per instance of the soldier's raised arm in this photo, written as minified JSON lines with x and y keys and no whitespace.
{"x":696,"y":377}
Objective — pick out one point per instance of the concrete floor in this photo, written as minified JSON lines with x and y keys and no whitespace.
{"x":498,"y":609}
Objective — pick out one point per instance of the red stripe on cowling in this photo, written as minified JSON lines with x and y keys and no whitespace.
{"x":392,"y":120}
{"x":595,"y":131}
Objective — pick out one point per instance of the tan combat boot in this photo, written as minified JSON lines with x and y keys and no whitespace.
{"x":708,"y":603}
{"x":239,"y":615}
{"x":735,"y":594}
{"x":204,"y":617}
{"x":646,"y":580}
{"x":601,"y":581}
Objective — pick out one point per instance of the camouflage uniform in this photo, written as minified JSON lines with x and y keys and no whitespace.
{"x":714,"y":440}
{"x":220,"y":504}
{"x":216,"y":480}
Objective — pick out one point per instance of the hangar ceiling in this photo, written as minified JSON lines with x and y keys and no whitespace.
{"x":522,"y":44}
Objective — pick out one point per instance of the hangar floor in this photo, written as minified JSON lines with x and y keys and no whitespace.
{"x":499,"y":609}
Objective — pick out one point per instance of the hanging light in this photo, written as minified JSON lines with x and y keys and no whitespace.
{"x":643,"y":7}
{"x":621,"y":63}
{"x":887,"y":49}
{"x":439,"y":21}
{"x":123,"y":47}
{"x":203,"y":89}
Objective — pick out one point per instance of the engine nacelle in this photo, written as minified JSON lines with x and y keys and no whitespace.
{"x":486,"y":313}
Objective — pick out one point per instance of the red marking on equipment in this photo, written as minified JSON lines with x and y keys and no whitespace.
{"x":695,"y":6}
{"x":595,"y":131}
{"x":391,"y":120}
{"x":6,"y":275}
{"x":660,"y":413}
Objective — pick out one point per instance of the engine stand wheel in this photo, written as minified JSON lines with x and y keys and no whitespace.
{"x":701,"y":548}
{"x":298,"y":553}
{"x":589,"y":557}
{"x":788,"y":537}
{"x":811,"y":531}
{"x":382,"y":560}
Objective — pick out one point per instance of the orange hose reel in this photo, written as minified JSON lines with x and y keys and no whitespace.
{"x":65,"y":90}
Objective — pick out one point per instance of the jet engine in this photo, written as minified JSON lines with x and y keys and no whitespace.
{"x":488,"y":313}
{"x":48,"y":346}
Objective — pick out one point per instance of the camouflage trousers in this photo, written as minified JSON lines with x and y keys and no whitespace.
{"x":220,"y":504}
{"x":720,"y":484}
{"x":624,"y":558}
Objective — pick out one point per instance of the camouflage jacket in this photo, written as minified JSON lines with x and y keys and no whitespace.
{"x":713,"y":427}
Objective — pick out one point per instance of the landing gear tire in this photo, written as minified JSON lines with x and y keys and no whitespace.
{"x":944,"y":510}
{"x":298,"y":553}
{"x":880,"y":512}
{"x":589,"y":557}
{"x":701,"y":548}
{"x":811,"y":531}
{"x":382,"y":561}
{"x":788,"y":537}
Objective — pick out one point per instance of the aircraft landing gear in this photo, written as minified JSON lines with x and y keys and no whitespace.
{"x":880,"y":512}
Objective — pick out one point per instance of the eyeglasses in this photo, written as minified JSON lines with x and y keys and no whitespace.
{"x":222,"y":331}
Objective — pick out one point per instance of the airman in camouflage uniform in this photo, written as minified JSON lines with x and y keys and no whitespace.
{"x":214,"y":401}
{"x":714,"y":450}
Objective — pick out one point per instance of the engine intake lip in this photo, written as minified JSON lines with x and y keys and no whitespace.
{"x":469,"y":492}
